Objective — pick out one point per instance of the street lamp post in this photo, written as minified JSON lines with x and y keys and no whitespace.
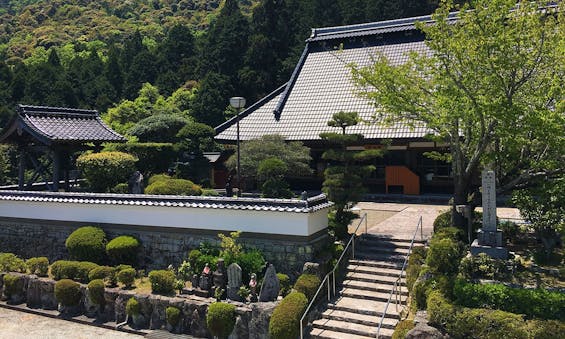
{"x":238,"y":103}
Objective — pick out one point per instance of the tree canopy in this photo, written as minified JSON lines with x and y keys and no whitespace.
{"x":491,"y":87}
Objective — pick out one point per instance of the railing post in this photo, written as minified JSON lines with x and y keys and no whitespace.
{"x":353,"y":247}
{"x":329,"y":297}
{"x":366,"y":223}
{"x":333,"y":274}
{"x":301,"y":330}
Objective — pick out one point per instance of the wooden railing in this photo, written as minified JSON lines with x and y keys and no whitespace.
{"x":402,"y":176}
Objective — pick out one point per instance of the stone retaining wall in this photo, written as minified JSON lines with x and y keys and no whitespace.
{"x":252,"y":320}
{"x":161,"y":245}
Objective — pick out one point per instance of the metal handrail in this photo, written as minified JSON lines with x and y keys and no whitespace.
{"x":326,"y":279}
{"x":396,"y":286}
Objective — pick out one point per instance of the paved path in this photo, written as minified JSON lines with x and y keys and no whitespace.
{"x":399,"y":220}
{"x":16,"y":325}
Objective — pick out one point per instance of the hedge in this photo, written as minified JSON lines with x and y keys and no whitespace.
{"x":173,"y":187}
{"x":162,"y":281}
{"x":87,"y":243}
{"x":67,"y":292}
{"x":220,"y":319}
{"x":533,"y":303}
{"x":443,"y":256}
{"x":9,"y":262}
{"x":123,"y":249}
{"x":285,"y":320}
{"x":38,"y":266}
{"x":107,"y":169}
{"x":482,"y":323}
{"x":76,"y":270}
{"x":96,"y":291}
{"x":440,"y":311}
{"x":13,"y":285}
{"x":152,"y":157}
{"x":307,"y":284}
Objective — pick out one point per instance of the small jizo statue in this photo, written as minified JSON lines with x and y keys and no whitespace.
{"x":253,"y":287}
{"x":219,"y":275}
{"x":205,"y":278}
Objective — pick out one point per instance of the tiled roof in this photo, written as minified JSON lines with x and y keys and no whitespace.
{"x":276,"y":205}
{"x":62,"y":125}
{"x":322,"y":87}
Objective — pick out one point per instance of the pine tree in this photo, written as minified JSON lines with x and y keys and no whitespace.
{"x":177,"y":59}
{"x":212,"y":99}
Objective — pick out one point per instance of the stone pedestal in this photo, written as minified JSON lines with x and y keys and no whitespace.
{"x":492,"y":251}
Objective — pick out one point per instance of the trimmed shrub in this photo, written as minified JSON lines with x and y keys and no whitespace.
{"x":251,"y":261}
{"x":443,"y":220}
{"x":158,"y":177}
{"x":67,"y":292}
{"x":87,"y":244}
{"x":162,"y":281}
{"x":96,"y":291}
{"x":220,"y":319}
{"x":284,"y":283}
{"x":443,"y":256}
{"x":76,"y":270}
{"x":13,"y":285}
{"x":106,"y":273}
{"x":402,"y":328}
{"x":152,"y":157}
{"x":537,"y":303}
{"x":285,"y":321}
{"x":173,"y":187}
{"x":307,"y":284}
{"x":415,"y":261}
{"x":481,"y":323}
{"x":159,"y":127}
{"x":121,"y":188}
{"x":107,"y":169}
{"x":38,"y":266}
{"x":210,"y":193}
{"x":127,"y":276}
{"x":132,"y":307}
{"x":9,"y":262}
{"x":483,"y":267}
{"x":545,"y":329}
{"x":173,"y":315}
{"x":123,"y":249}
{"x":440,"y":311}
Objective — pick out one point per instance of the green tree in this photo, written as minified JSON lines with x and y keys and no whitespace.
{"x":343,"y":179}
{"x":177,"y":59}
{"x":271,"y":172}
{"x":212,"y":99}
{"x":492,"y":88}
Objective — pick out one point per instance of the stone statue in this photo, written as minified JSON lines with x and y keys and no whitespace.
{"x":205,"y":278}
{"x":253,"y":287}
{"x":229,"y":188}
{"x":135,"y":183}
{"x":234,"y":281}
{"x":219,"y":276}
{"x":271,"y":285}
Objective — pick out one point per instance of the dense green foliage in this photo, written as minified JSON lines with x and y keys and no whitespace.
{"x":107,"y":169}
{"x":76,"y":270}
{"x":415,"y":261}
{"x":87,"y":243}
{"x":151,"y":157}
{"x":132,"y":307}
{"x":67,"y":292}
{"x":220,"y":319}
{"x":285,"y":286}
{"x":307,"y":284}
{"x":173,"y":187}
{"x":38,"y":266}
{"x":402,"y":328}
{"x":96,"y":291}
{"x":123,"y":249}
{"x":271,"y":172}
{"x":285,"y":321}
{"x":105,"y":273}
{"x":482,"y":266}
{"x":13,"y":285}
{"x":9,"y":262}
{"x":126,"y":277}
{"x":538,"y":303}
{"x":173,"y":315}
{"x":162,"y":281}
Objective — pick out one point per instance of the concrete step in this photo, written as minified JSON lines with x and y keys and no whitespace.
{"x":377,"y":256}
{"x":362,"y":306}
{"x":371,"y":295}
{"x":386,"y":243}
{"x":382,"y":249}
{"x":372,"y":286}
{"x":373,"y":278}
{"x":346,"y":328}
{"x":327,"y":334}
{"x":368,"y":320}
{"x":373,"y":263}
{"x":391,"y":272}
{"x":377,"y":238}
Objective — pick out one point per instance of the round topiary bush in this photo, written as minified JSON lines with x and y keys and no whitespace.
{"x":158,"y":177}
{"x":67,"y":292}
{"x":76,"y":270}
{"x":38,"y":266}
{"x":13,"y":285}
{"x":96,"y":291}
{"x":285,"y":321}
{"x":123,"y":249}
{"x":220,"y":319}
{"x":87,"y":243}
{"x":173,"y":315}
{"x":107,"y":169}
{"x":9,"y":262}
{"x":307,"y":284}
{"x":132,"y":307}
{"x":105,"y":273}
{"x":162,"y":281}
{"x":173,"y":187}
{"x":127,"y":276}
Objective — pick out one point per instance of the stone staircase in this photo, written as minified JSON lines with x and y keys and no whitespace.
{"x":357,"y":310}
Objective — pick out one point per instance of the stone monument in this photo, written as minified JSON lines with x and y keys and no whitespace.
{"x":219,"y":276}
{"x":135,"y":183}
{"x":489,"y":238}
{"x":253,"y":288}
{"x":234,"y":281}
{"x":271,"y":285}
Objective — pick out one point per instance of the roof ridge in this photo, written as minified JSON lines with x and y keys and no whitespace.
{"x":55,"y":110}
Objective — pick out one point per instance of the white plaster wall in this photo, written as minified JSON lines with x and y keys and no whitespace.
{"x":270,"y":222}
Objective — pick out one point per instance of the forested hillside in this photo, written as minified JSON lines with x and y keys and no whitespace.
{"x":98,"y":54}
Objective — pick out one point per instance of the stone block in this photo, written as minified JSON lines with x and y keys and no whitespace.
{"x":491,"y":251}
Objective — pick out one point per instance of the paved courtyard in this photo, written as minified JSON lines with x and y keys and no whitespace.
{"x":16,"y":325}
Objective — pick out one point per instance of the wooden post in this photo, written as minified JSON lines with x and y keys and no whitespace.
{"x":56,"y":169}
{"x":21,"y":168}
